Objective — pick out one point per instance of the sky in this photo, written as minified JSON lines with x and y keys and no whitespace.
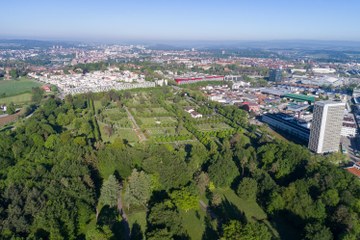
{"x":164,"y":20}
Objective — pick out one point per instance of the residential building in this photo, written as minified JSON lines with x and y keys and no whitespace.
{"x":349,"y":127}
{"x":326,"y":126}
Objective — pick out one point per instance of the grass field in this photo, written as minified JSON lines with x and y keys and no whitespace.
{"x":138,"y":220}
{"x":126,"y":133}
{"x":18,"y":99}
{"x":250,"y":208}
{"x":165,"y":131}
{"x":150,"y":111}
{"x":212,"y":126}
{"x":157,"y":120}
{"x":15,"y":87}
{"x":194,"y":223}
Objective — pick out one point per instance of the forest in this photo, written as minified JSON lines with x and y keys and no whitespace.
{"x":62,"y":178}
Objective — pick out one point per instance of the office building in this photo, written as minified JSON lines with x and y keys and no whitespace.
{"x":275,"y":75}
{"x":326,"y":126}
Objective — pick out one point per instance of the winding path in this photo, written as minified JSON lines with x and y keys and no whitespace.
{"x":136,"y":127}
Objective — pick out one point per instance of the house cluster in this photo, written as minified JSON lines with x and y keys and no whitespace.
{"x":97,"y":81}
{"x":193,"y":113}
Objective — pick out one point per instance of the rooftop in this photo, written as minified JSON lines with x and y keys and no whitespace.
{"x":329,"y":102}
{"x":301,"y":97}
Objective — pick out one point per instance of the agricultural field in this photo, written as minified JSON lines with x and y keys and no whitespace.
{"x":16,"y":87}
{"x":18,"y":99}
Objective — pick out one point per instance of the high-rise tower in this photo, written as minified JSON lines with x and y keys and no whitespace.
{"x":326,"y":126}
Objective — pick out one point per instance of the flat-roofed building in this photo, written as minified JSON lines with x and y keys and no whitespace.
{"x":287,"y":124}
{"x":326,"y":126}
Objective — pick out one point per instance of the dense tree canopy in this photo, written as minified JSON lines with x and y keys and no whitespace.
{"x":60,"y":180}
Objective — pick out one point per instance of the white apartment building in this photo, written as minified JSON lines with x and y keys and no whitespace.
{"x":326,"y":126}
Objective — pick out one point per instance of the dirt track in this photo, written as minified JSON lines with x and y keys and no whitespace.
{"x":9,"y":119}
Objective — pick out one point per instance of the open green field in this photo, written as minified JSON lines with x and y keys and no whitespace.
{"x":15,"y":87}
{"x":18,"y":99}
{"x":114,"y":114}
{"x":127,"y":134}
{"x":137,"y":222}
{"x":153,"y":121}
{"x":212,"y":126}
{"x":139,"y":98}
{"x":150,"y":111}
{"x":194,"y":223}
{"x":250,"y":208}
{"x":122,"y":133}
{"x":165,"y":131}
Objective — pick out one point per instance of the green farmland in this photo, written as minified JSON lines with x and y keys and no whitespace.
{"x":16,"y":87}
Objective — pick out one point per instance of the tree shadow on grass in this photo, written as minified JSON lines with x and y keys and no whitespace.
{"x":109,"y":216}
{"x":136,"y":233}
{"x":210,"y":233}
{"x":228,"y":211}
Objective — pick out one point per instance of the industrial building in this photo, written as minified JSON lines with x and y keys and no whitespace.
{"x":326,"y":126}
{"x":288,"y":124}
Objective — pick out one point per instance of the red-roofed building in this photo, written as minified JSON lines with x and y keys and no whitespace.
{"x":250,"y":106}
{"x":355,"y":169}
{"x":46,"y":88}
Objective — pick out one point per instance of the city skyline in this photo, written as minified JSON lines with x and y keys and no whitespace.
{"x":168,"y":21}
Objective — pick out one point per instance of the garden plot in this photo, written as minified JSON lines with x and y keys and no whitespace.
{"x":156,"y":121}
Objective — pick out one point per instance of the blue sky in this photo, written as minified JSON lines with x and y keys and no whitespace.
{"x":181,"y":20}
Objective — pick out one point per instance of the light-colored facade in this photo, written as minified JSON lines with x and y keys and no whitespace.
{"x":326,"y":126}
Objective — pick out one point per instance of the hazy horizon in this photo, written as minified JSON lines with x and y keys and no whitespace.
{"x":187,"y":20}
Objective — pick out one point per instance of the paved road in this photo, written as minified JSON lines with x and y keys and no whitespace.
{"x":136,"y":127}
{"x":351,"y":144}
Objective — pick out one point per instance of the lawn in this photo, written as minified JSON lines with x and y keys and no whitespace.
{"x":165,"y":131}
{"x":115,"y":114}
{"x":97,"y":105}
{"x":127,"y":134}
{"x":212,"y":126}
{"x":250,"y":208}
{"x":150,"y":111}
{"x":15,"y":87}
{"x":153,"y":121}
{"x":124,"y":133}
{"x":194,"y":223}
{"x":18,"y":99}
{"x":137,"y":219}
